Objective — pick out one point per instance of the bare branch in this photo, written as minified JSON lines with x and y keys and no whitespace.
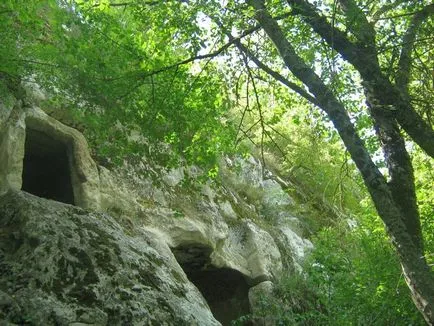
{"x":365,"y":60}
{"x":299,"y":90}
{"x":212,"y":54}
{"x":398,"y":16}
{"x":248,"y":137}
{"x":125,"y":4}
{"x":387,"y":7}
{"x":419,"y":40}
{"x":362,"y":56}
{"x":360,"y":25}
{"x":408,"y":41}
{"x":258,"y":105}
{"x":246,"y":108}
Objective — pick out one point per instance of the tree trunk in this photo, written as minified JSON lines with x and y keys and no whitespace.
{"x":417,"y":273}
{"x":401,"y":184}
{"x":363,"y":56}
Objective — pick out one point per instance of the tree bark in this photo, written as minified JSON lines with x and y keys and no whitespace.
{"x":398,"y":162}
{"x":363,"y":56}
{"x":417,"y":273}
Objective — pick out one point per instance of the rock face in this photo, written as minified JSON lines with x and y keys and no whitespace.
{"x":62,"y":265}
{"x":116,"y":247}
{"x":33,"y":140}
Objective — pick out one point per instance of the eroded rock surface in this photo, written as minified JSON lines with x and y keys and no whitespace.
{"x":25,"y":122}
{"x":61,"y":265}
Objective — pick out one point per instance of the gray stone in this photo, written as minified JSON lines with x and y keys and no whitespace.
{"x":173,"y":177}
{"x":12,"y":151}
{"x":250,"y":250}
{"x":226,"y":210}
{"x":34,"y":94}
{"x":7,"y":102}
{"x":84,"y":174}
{"x":275,"y":199}
{"x":67,"y":265}
{"x":300,"y":247}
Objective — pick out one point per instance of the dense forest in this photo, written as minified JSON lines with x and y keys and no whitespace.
{"x":334,"y":95}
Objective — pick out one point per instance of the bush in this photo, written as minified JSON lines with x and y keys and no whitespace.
{"x":351,"y":278}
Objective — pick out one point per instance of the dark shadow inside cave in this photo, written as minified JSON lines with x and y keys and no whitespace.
{"x":224,"y":289}
{"x":46,"y":169}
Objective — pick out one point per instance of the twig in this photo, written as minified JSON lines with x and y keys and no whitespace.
{"x":403,"y":76}
{"x":299,"y":90}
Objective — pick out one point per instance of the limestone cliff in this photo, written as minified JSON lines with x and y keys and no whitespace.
{"x":90,"y":245}
{"x":62,"y":265}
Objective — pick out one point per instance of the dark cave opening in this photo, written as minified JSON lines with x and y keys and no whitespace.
{"x":224,"y":289}
{"x":46,"y":169}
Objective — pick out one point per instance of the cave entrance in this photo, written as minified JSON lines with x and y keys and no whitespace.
{"x":46,"y":168}
{"x":224,"y":289}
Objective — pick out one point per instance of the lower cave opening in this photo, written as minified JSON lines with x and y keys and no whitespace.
{"x":224,"y":289}
{"x":46,"y":168}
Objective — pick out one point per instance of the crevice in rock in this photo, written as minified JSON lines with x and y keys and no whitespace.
{"x":224,"y":289}
{"x":46,"y":168}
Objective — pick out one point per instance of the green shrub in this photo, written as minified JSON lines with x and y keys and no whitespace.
{"x":351,"y":278}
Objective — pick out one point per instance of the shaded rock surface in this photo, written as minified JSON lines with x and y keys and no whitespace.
{"x":61,"y":264}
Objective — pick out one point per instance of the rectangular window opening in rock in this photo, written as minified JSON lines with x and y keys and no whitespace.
{"x":46,"y":167}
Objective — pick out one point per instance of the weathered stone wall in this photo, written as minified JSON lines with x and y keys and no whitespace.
{"x":62,"y":265}
{"x":244,"y":223}
{"x":84,"y":178}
